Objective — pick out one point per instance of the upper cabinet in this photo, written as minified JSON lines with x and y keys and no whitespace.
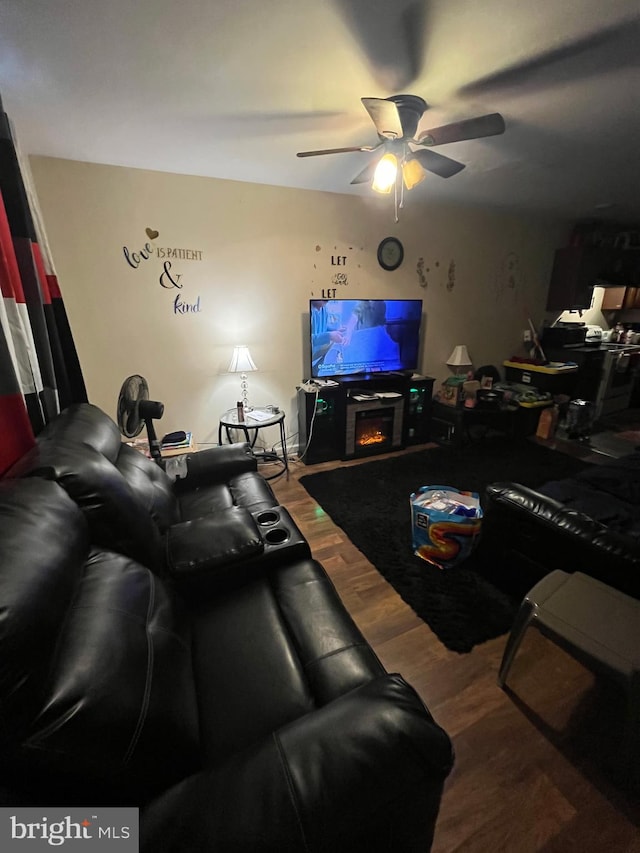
{"x":578,"y":269}
{"x":621,"y":298}
{"x":613,"y":298}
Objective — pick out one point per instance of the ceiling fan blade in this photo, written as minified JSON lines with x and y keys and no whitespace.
{"x":391,"y":38}
{"x":385,"y":116}
{"x":445,"y":167}
{"x":609,"y":49}
{"x":471,"y":128}
{"x":366,"y":175}
{"x":337,"y":150}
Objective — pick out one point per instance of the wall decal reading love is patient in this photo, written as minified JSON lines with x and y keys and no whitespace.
{"x":168,"y":278}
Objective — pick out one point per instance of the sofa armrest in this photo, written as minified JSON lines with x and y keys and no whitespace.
{"x":213,"y":544}
{"x":364,"y":772}
{"x":227,"y":548}
{"x":216,"y":465}
{"x":540,"y":532}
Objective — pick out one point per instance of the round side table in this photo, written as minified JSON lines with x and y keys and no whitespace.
{"x":229,"y":421}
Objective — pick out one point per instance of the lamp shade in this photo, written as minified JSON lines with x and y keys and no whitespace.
{"x":241,"y":361}
{"x":412,"y":173}
{"x":459,"y":357}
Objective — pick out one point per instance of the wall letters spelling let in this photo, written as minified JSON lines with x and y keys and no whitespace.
{"x":340,"y":279}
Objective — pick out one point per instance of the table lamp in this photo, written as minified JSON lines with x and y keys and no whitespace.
{"x":241,"y":362}
{"x":459,"y":360}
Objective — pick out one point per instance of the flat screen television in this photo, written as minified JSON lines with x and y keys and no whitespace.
{"x":362,"y":336}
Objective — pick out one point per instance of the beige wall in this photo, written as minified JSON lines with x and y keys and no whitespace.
{"x":259,"y":253}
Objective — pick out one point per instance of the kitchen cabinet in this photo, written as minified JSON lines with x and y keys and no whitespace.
{"x":614,"y":298}
{"x":632,"y":297}
{"x":627,"y":266}
{"x":577,"y":269}
{"x":621,"y":298}
{"x":575,"y":272}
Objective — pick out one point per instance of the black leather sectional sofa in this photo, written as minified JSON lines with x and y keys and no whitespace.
{"x":589,"y":523}
{"x":175,"y":646}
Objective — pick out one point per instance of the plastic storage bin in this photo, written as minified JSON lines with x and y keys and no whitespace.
{"x":556,"y":378}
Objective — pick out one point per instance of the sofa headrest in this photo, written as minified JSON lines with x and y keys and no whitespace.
{"x":117,"y":518}
{"x":84,"y":423}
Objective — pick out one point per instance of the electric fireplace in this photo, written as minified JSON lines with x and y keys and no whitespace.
{"x":374,"y":426}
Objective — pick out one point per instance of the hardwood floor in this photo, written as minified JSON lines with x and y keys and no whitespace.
{"x":530,"y":773}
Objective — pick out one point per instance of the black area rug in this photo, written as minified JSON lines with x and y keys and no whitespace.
{"x":463,"y":605}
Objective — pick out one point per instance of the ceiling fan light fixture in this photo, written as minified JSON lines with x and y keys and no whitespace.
{"x":412,"y":173}
{"x":384,"y":177}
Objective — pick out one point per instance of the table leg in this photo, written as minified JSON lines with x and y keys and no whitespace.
{"x":283,"y":441}
{"x":240,"y":427}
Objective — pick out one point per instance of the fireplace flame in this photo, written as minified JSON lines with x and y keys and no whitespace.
{"x":374,"y":436}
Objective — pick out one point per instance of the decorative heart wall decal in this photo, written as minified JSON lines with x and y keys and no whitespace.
{"x":151,"y":234}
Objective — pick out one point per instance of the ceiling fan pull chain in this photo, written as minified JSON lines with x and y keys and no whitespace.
{"x":401,"y":181}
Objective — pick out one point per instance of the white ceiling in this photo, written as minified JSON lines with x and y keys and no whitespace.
{"x":234,"y":88}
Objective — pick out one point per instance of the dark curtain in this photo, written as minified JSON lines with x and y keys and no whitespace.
{"x":39,"y":369}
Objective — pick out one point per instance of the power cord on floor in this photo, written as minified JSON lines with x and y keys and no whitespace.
{"x":315,"y":390}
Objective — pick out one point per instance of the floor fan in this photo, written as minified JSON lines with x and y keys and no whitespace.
{"x":136,"y":410}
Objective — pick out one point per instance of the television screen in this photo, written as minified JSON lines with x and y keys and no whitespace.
{"x":360,"y":336}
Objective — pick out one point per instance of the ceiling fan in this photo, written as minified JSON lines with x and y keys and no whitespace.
{"x":396,"y":121}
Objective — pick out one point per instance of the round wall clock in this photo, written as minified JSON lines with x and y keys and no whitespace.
{"x":390,"y":253}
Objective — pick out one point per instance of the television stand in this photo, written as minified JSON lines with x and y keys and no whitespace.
{"x":363,"y":415}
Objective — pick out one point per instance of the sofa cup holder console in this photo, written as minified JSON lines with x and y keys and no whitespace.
{"x":277,"y":528}
{"x":267,"y":517}
{"x":232,"y":537}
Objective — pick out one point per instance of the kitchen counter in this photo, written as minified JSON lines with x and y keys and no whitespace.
{"x":564,"y":353}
